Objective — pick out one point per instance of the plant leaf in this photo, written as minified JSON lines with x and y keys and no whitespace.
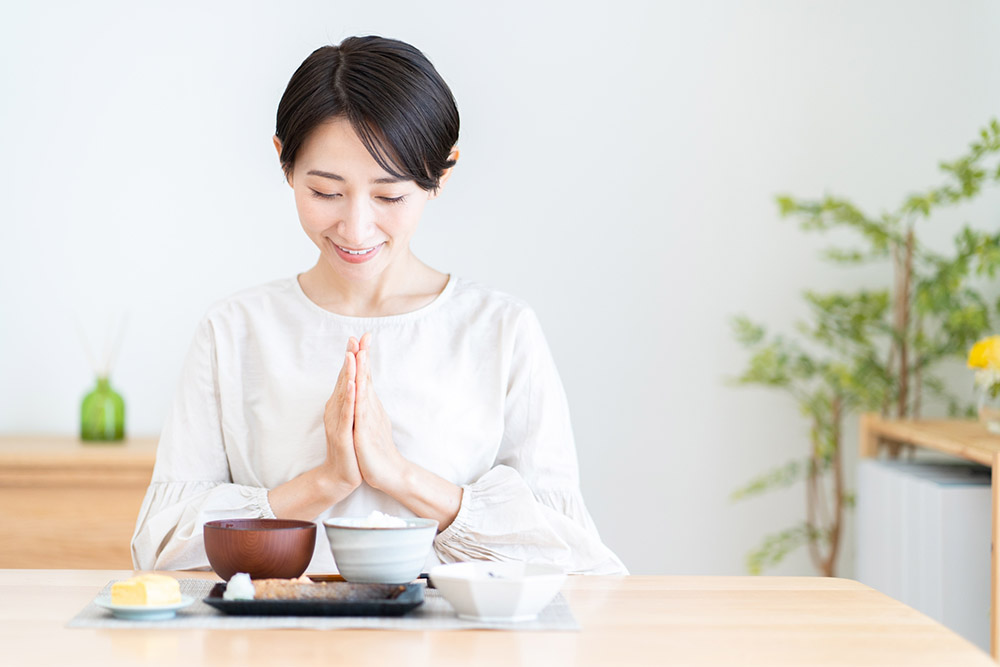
{"x":774,"y":547}
{"x":779,"y":477}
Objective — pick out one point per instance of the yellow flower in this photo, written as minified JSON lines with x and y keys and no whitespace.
{"x":985,"y":353}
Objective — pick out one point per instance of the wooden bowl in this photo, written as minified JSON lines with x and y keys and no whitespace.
{"x":263,"y":548}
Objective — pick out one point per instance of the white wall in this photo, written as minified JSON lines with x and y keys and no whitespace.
{"x":619,"y":161}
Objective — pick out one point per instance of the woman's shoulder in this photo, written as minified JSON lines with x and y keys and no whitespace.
{"x":251,"y":301}
{"x":483,"y":307}
{"x":479,"y":296}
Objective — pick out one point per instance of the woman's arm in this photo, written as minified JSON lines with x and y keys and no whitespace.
{"x":529,"y":507}
{"x":191,"y":481}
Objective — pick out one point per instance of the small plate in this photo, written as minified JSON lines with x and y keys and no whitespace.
{"x":136,"y":612}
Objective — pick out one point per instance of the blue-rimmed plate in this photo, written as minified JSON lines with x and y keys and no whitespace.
{"x":137,"y":612}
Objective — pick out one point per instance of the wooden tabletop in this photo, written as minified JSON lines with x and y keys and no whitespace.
{"x":625,"y":621}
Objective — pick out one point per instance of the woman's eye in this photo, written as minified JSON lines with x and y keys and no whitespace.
{"x":393,"y":200}
{"x":323,"y":195}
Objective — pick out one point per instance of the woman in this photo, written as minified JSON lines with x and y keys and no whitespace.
{"x":445,"y":400}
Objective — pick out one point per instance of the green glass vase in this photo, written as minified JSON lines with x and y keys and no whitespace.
{"x":102,"y":415}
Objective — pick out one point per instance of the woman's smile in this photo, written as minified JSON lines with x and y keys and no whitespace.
{"x":358,"y":256}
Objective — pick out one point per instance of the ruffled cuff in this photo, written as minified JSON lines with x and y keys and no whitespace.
{"x":261,"y":504}
{"x":169,"y":533}
{"x":498,"y":521}
{"x":501,"y":519}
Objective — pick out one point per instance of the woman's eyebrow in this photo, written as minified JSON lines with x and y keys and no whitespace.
{"x":325,"y":174}
{"x":338,"y":177}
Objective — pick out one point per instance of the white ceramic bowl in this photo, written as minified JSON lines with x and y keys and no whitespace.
{"x":487,"y":591}
{"x":380,"y":555}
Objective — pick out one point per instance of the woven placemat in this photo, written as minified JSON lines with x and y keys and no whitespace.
{"x":434,"y":614}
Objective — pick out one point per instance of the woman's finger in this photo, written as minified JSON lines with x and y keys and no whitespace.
{"x":352,"y":345}
{"x":346,"y":387}
{"x":342,"y":377}
{"x":346,"y":426}
{"x":364,"y":376}
{"x":366,"y":341}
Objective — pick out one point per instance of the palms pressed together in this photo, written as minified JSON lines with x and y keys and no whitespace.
{"x":358,"y":430}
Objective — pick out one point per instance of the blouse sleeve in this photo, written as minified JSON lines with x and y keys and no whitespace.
{"x":528,"y":507}
{"x":191,"y":481}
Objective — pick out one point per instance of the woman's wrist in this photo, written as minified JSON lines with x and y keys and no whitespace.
{"x":309,"y":494}
{"x":331,"y":485}
{"x":424,"y":493}
{"x":394,"y":479}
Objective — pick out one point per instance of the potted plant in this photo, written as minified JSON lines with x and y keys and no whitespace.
{"x":873,"y":349}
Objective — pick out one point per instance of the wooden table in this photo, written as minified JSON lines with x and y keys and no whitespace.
{"x":966,"y":439}
{"x":66,"y":504}
{"x":625,"y":621}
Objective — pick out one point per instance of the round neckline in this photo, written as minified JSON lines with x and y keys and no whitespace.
{"x":381,"y":319}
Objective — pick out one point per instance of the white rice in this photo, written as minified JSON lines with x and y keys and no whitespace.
{"x":239,"y":587}
{"x":379,"y":520}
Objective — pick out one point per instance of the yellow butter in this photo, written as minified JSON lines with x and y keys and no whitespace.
{"x":146,"y":589}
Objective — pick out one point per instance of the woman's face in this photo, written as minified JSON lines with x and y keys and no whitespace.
{"x":359,"y":216}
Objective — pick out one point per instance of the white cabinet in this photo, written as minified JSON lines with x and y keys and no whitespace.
{"x":924,"y":539}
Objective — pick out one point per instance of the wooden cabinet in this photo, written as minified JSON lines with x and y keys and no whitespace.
{"x":67,"y":504}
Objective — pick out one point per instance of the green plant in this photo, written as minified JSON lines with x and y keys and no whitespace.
{"x":872,"y":349}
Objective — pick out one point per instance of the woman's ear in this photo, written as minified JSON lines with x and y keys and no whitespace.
{"x":446,"y":174}
{"x":277,"y":147}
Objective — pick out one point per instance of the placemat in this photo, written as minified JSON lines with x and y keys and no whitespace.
{"x":434,"y":614}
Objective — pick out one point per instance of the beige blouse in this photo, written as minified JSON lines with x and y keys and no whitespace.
{"x":469,"y":385}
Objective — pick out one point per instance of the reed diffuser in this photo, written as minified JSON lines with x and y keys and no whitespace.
{"x":102,"y":413}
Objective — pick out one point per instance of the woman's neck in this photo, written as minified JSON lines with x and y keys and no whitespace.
{"x":401,"y":288}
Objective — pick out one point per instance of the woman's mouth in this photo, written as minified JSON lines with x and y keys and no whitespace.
{"x":357,"y":255}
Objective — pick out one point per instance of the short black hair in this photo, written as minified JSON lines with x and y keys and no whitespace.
{"x":400,"y":107}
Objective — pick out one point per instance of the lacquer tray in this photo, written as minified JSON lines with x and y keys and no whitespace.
{"x":368,"y":600}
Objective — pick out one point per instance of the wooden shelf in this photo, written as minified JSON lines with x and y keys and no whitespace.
{"x":965,"y":439}
{"x":69,"y":504}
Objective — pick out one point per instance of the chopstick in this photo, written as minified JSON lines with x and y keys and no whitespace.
{"x":319,"y":578}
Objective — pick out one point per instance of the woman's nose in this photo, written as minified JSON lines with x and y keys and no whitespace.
{"x":357,"y":221}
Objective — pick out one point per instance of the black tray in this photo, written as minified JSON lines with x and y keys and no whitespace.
{"x":383,"y":602}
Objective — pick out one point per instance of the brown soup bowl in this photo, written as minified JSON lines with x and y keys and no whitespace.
{"x":263,"y":548}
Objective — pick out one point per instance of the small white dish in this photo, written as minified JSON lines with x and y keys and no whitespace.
{"x":505,"y":592}
{"x":142,"y":612}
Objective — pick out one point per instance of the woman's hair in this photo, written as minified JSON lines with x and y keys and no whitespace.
{"x":400,"y":107}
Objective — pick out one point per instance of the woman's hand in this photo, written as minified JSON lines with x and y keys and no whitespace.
{"x":380,"y":462}
{"x":341,"y":465}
